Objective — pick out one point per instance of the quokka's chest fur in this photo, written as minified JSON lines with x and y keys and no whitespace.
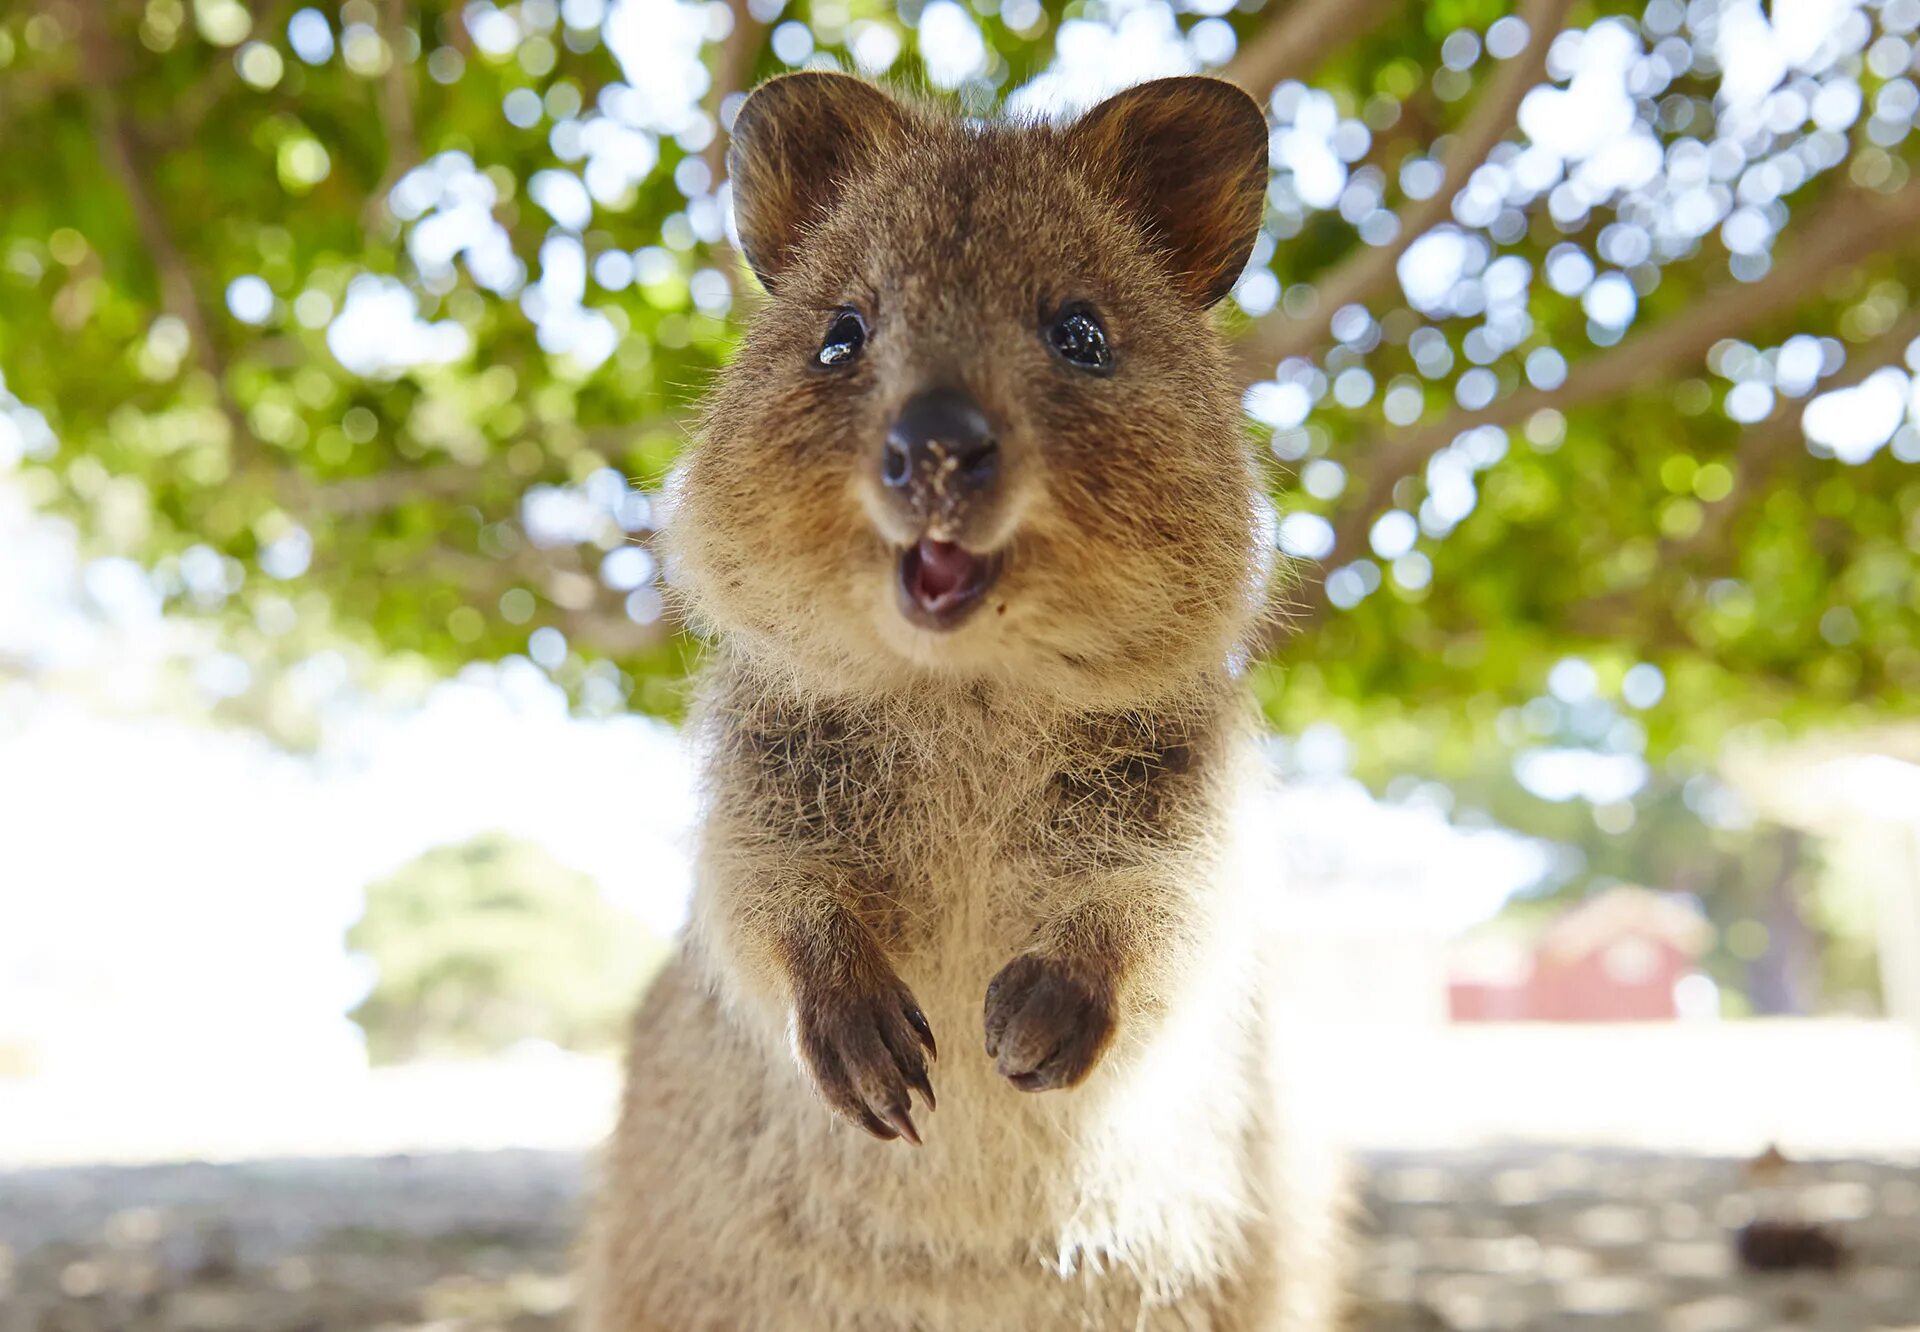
{"x":1145,"y":1186}
{"x":956,"y":834}
{"x":974,"y":809}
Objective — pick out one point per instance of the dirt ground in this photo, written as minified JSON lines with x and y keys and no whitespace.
{"x":1531,"y":1238}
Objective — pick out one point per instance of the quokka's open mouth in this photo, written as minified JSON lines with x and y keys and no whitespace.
{"x":941,"y":582}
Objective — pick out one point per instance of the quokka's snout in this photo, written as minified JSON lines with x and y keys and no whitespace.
{"x":941,"y":461}
{"x":941,"y":482}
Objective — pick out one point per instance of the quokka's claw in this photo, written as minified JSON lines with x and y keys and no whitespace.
{"x":918,"y":1021}
{"x":863,"y":1048}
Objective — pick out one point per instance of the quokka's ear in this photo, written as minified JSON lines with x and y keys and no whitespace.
{"x":1188,"y":158}
{"x":796,"y":142}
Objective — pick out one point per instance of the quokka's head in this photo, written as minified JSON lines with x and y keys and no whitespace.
{"x":983,"y":429}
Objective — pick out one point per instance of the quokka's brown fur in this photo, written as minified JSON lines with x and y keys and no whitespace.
{"x":1012,"y":833}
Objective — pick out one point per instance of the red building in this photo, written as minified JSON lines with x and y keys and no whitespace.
{"x":1614,"y":958}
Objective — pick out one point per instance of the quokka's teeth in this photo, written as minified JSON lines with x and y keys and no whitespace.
{"x":944,"y":569}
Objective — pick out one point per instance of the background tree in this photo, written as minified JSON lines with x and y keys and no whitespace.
{"x":479,"y":946}
{"x":1579,"y":332}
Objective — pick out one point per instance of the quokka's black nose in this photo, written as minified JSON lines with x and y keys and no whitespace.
{"x":940,"y":450}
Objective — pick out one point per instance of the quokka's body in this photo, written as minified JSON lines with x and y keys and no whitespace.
{"x":974,"y":527}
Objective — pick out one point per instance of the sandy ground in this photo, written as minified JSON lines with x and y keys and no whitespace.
{"x":1551,"y":1180}
{"x":1518,"y":1238}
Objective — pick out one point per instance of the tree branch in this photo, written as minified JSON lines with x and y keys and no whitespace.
{"x":1369,"y":269}
{"x":192,"y":110}
{"x":396,"y":109}
{"x":24,"y":90}
{"x":361,"y":495}
{"x":1767,"y":445}
{"x":1763,"y":449}
{"x":396,"y":90}
{"x":574,"y":597}
{"x":1295,"y":43}
{"x":610,"y":634}
{"x":114,"y":136}
{"x":731,"y":67}
{"x":1852,"y":226}
{"x":358,"y":496}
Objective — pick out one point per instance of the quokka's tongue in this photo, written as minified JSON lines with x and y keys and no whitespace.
{"x":944,"y":569}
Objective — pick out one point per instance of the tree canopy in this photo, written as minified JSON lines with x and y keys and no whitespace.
{"x":1578,"y":334}
{"x":478,"y":946}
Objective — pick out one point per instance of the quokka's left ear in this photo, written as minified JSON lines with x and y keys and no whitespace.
{"x":1188,"y":158}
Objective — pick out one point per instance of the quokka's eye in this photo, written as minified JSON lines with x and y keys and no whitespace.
{"x":846,"y":335}
{"x":1078,"y":339}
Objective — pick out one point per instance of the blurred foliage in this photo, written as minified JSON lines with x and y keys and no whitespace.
{"x":384,"y":322}
{"x":479,"y":946}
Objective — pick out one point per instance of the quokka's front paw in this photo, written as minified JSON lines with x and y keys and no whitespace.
{"x":1048,"y":1022}
{"x":866,"y":1043}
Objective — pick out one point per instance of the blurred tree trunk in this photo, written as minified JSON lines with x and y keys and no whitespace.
{"x":1785,"y":980}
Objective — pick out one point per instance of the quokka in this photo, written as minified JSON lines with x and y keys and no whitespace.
{"x":973,"y":527}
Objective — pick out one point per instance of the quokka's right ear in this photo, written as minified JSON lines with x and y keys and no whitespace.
{"x":797,"y":140}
